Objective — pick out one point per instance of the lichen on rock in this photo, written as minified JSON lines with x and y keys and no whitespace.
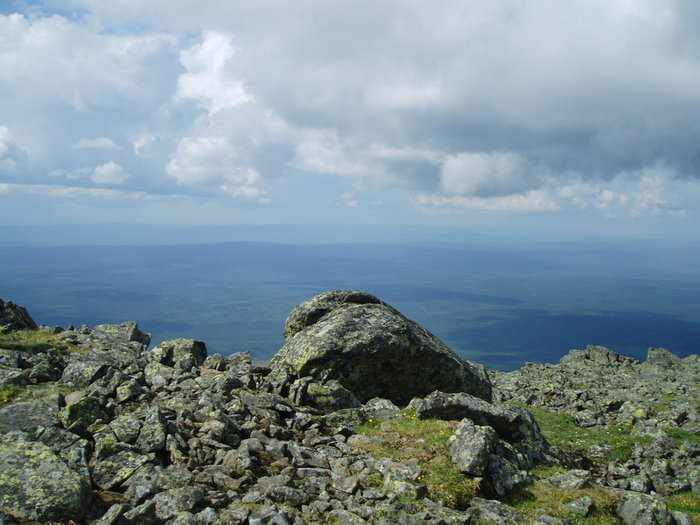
{"x":372,"y":350}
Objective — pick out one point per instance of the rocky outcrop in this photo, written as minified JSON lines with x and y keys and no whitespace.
{"x":499,"y":444}
{"x":599,"y":387}
{"x":106,"y":431}
{"x":13,"y":317}
{"x":372,"y":350}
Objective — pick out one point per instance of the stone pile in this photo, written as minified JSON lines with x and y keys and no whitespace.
{"x":600,"y":387}
{"x":117,"y":434}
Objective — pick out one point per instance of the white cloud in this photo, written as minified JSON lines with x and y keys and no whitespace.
{"x":530,"y":201}
{"x":109,"y":173}
{"x":463,"y":105}
{"x":213,"y":162}
{"x":96,"y":143}
{"x":11,"y":155}
{"x":207,"y":79}
{"x":201,"y":160}
{"x":487,"y":175}
{"x":321,"y":151}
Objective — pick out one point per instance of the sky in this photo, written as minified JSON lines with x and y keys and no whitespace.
{"x":576,"y":118}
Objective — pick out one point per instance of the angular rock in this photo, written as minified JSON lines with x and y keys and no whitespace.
{"x":114,"y":470}
{"x":493,"y":511}
{"x":511,"y":423}
{"x":169,"y":352}
{"x":582,"y":506}
{"x":574,"y":479}
{"x":36,"y":484}
{"x":82,"y":373}
{"x":127,"y":331}
{"x":372,"y":349}
{"x":637,"y":509}
{"x":171,"y":502}
{"x":330,"y":396}
{"x":471,"y":446}
{"x":662,"y":358}
{"x":14,"y":317}
{"x":29,"y":415}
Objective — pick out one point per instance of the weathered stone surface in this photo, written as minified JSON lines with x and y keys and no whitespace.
{"x":29,"y":415}
{"x":493,"y":511}
{"x":662,"y":358}
{"x":36,"y":484}
{"x":643,"y":509}
{"x":14,"y":317}
{"x":471,"y":446}
{"x":180,"y":438}
{"x":127,"y":331}
{"x":573,"y":479}
{"x":372,"y":349}
{"x":169,"y":352}
{"x":511,"y":423}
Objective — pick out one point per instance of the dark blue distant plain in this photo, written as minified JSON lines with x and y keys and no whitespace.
{"x":501,"y":306}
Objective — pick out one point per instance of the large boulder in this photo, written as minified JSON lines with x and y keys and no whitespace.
{"x":36,"y":484}
{"x":372,"y":350}
{"x":13,"y":317}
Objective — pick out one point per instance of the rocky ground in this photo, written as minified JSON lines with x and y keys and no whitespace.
{"x":97,"y":428}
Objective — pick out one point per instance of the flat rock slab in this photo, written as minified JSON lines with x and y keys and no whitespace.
{"x":29,"y":415}
{"x":36,"y":484}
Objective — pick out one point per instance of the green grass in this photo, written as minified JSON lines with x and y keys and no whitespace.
{"x":542,"y":498}
{"x":686,"y":502}
{"x":679,"y":435}
{"x":561,"y":430}
{"x":33,"y":341}
{"x":409,"y":439}
{"x":9,"y":393}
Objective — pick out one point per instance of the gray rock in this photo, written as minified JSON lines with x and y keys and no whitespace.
{"x":643,"y":509}
{"x":353,"y":337}
{"x":36,"y":484}
{"x":113,"y":514}
{"x":511,"y":423}
{"x":82,"y":373}
{"x":662,"y":358}
{"x":174,"y":501}
{"x":378,"y":409}
{"x":471,"y":446}
{"x":582,"y":506}
{"x":29,"y":415}
{"x":329,"y":396}
{"x":169,"y":352}
{"x":14,"y":317}
{"x":574,"y":479}
{"x":493,"y":511}
{"x":127,"y":331}
{"x":114,"y":470}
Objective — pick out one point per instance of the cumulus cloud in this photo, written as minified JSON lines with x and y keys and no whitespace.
{"x":207,"y":80}
{"x":213,"y":162}
{"x":536,"y":106}
{"x":109,"y":173}
{"x":487,"y":175}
